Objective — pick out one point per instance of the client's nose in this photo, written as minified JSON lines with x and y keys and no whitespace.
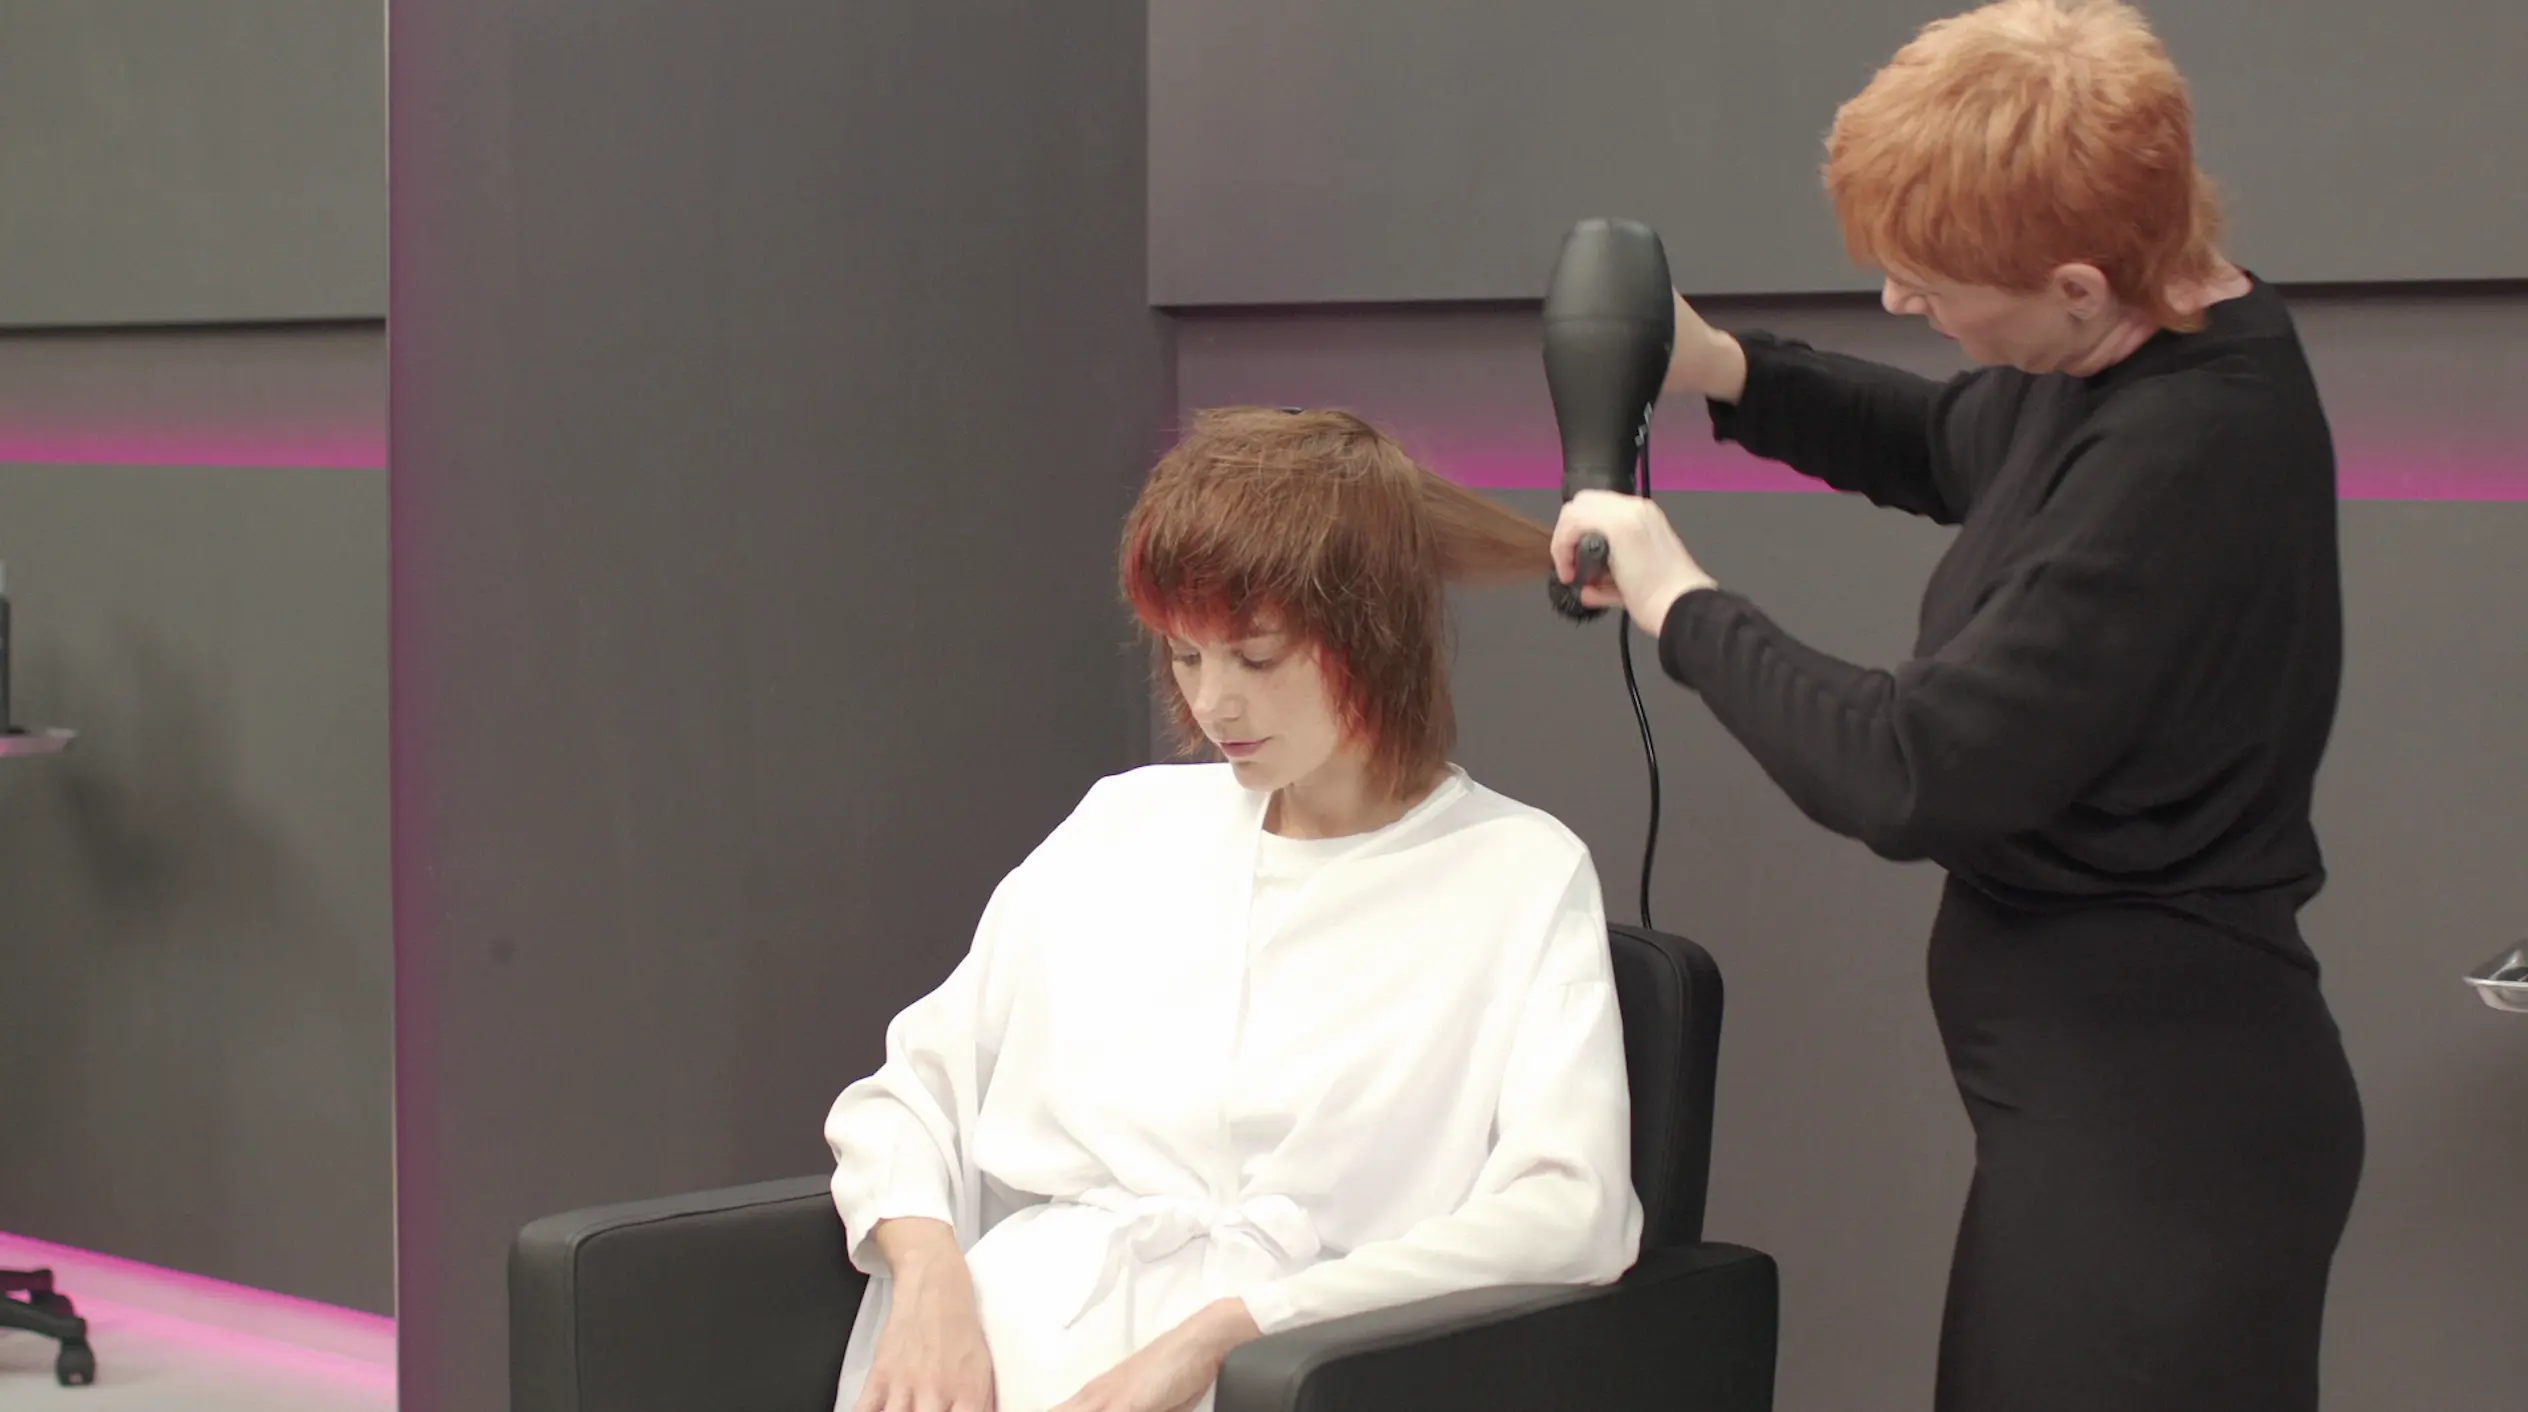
{"x":1211,"y":701}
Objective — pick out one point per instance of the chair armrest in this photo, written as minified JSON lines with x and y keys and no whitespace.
{"x":1689,"y":1329}
{"x":738,"y":1298}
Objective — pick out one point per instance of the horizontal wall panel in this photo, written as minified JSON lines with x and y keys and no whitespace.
{"x":1344,"y":151}
{"x":169,"y":161}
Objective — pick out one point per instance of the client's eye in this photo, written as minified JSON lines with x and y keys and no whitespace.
{"x":1258,"y":664}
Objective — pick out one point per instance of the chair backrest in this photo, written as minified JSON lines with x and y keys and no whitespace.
{"x":1669,"y":990}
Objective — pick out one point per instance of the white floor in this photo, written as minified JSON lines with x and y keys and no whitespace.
{"x":168,"y":1342}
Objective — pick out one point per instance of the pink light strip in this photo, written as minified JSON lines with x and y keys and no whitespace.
{"x":277,"y":1331}
{"x":2362,"y":474}
{"x":2359,"y":476}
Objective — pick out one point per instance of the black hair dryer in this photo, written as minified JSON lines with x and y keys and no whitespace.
{"x":1610,"y":325}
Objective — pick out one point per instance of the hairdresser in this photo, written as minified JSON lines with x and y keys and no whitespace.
{"x":2124,"y":679}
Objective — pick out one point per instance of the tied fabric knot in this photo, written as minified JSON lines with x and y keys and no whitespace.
{"x":1148,"y":1229}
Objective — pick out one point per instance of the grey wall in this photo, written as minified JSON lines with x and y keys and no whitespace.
{"x":194,"y":1023}
{"x":192,"y":163}
{"x":1306,"y":151}
{"x":769,"y":385}
{"x":1842,"y":1148}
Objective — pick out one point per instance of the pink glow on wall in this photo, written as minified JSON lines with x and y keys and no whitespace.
{"x":275,"y":1331}
{"x":331,"y":448}
{"x":2456,"y":473}
{"x":1698,"y":468}
{"x":2363,"y":473}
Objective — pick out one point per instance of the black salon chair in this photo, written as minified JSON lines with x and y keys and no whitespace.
{"x":741,"y":1300}
{"x":48,"y":1313}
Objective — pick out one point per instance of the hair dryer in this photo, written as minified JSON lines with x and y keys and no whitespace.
{"x":1610,"y":324}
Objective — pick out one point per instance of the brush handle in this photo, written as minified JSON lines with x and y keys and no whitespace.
{"x":1589,"y":566}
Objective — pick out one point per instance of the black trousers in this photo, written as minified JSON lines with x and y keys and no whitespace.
{"x":2167,"y":1141}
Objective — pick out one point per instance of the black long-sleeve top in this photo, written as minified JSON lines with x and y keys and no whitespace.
{"x":2128,"y":660}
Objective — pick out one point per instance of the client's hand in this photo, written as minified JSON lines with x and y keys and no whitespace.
{"x":931,"y":1355}
{"x":1175,"y":1369}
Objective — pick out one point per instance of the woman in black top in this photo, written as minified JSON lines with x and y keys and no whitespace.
{"x":2124,"y":679}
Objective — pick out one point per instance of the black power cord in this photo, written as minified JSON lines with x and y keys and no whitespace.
{"x":1641,"y":714}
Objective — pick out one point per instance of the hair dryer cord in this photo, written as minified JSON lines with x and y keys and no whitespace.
{"x":1641,"y":717}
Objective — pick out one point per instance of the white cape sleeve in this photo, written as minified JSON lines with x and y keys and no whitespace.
{"x":1554,"y":1201}
{"x":902,"y":1138}
{"x":899,"y":1136}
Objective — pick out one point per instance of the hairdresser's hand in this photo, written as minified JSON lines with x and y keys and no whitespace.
{"x":931,"y":1355}
{"x":1175,"y":1369}
{"x":1707,"y":362}
{"x":1647,"y":565}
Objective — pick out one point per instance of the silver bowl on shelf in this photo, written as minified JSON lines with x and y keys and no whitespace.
{"x":2503,"y":981}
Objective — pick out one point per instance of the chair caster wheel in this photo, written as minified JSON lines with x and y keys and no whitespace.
{"x":77,"y":1365}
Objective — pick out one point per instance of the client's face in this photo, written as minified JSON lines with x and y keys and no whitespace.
{"x":1262,"y":700}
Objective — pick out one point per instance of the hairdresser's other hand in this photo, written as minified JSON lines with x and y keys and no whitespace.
{"x":1647,"y":565}
{"x":1173,"y":1371}
{"x":1706,"y":362}
{"x":931,"y":1355}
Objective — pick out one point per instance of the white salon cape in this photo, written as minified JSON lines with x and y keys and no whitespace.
{"x":1187,"y":1060}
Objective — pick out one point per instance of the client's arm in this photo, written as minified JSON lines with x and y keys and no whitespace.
{"x":902,"y":1181}
{"x":932,"y":1353}
{"x":898,"y":1136}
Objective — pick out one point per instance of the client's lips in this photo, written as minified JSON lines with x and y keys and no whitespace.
{"x":1240,"y":749}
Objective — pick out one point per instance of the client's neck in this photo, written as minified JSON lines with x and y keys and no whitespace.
{"x":1340,"y":800}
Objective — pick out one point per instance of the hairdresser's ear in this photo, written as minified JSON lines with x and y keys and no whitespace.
{"x":2084,"y":291}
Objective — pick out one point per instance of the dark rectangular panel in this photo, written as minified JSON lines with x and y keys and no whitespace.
{"x":769,"y":384}
{"x":168,"y":161}
{"x":1319,"y":151}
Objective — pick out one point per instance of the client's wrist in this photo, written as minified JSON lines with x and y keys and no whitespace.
{"x":919,"y":1250}
{"x":1228,"y":1323}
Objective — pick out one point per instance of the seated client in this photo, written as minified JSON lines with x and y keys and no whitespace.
{"x":1319,"y":1028}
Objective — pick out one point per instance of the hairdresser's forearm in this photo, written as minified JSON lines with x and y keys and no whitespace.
{"x":1707,"y":363}
{"x":1857,"y":425}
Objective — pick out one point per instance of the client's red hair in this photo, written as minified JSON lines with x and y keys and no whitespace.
{"x":1318,"y":525}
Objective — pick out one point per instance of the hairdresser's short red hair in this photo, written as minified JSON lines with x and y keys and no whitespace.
{"x":2008,"y":141}
{"x":1318,"y":525}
